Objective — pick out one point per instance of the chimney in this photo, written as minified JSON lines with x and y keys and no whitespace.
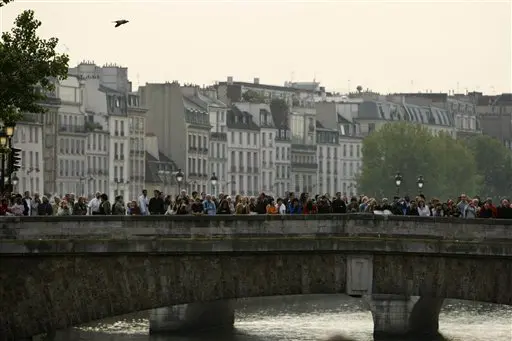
{"x":256,"y":80}
{"x":230,"y":80}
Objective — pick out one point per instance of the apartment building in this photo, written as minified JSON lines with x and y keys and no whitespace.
{"x":111,"y":106}
{"x":28,"y":136}
{"x":262,"y":117}
{"x":244,"y":150}
{"x":137,"y":146}
{"x":282,"y":154}
{"x":71,"y":139}
{"x":327,"y":155}
{"x":160,"y":172}
{"x":218,"y":155}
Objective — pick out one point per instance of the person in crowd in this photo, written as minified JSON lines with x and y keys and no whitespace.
{"x":133,"y":208}
{"x":143,"y":202}
{"x":94,"y":204}
{"x":224,"y":207}
{"x":271,"y":206}
{"x":80,"y":208}
{"x":156,"y":205}
{"x":118,"y":208}
{"x":209,"y":206}
{"x":64,"y":209}
{"x":45,"y":208}
{"x":105,"y":205}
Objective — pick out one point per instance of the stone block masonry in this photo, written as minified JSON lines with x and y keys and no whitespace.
{"x":61,"y":272}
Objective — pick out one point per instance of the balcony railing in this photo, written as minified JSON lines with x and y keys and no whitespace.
{"x":304,"y":165}
{"x":70,"y":128}
{"x":219,"y":136}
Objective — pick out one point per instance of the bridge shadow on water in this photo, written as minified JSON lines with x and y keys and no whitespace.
{"x":291,"y":318}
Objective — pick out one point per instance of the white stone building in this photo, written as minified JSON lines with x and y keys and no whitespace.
{"x":136,"y":131}
{"x":218,"y":154}
{"x":72,"y":136}
{"x":262,"y":117}
{"x":112,"y":106}
{"x":28,"y":136}
{"x":244,"y":152}
{"x":327,"y":155}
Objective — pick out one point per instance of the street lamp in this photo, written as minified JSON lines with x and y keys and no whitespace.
{"x":398,"y":182}
{"x":9,"y":130}
{"x":213,"y":180}
{"x":179,"y":179}
{"x":420,"y":182}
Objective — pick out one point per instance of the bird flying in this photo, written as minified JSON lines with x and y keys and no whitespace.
{"x":120,"y":22}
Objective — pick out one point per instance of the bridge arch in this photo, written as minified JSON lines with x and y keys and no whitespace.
{"x":45,"y":293}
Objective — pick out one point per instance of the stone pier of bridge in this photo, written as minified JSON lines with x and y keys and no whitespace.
{"x":400,"y":315}
{"x":193,"y":317}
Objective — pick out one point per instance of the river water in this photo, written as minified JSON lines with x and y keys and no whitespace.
{"x":308,"y":318}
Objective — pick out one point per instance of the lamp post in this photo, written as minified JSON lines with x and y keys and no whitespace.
{"x":213,"y":180}
{"x":179,"y":180}
{"x":4,"y":145}
{"x":398,"y":182}
{"x":420,"y":182}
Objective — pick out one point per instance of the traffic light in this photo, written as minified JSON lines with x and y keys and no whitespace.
{"x":14,"y":160}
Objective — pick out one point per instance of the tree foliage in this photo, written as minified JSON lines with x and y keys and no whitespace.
{"x":4,"y":2}
{"x":252,"y":96}
{"x":494,"y":164}
{"x":27,"y":61}
{"x":446,"y":164}
{"x":279,"y":106}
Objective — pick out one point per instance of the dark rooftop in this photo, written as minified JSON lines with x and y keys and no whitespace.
{"x":237,"y":119}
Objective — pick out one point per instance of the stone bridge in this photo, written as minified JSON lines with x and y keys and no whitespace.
{"x":57,"y":272}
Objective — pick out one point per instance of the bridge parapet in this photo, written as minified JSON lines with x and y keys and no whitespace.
{"x":339,"y":225}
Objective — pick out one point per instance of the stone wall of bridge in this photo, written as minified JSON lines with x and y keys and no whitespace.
{"x":45,"y":293}
{"x":58,"y":272}
{"x":137,"y":227}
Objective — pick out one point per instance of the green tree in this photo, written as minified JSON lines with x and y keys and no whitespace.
{"x":253,"y":97}
{"x":494,"y":164}
{"x":4,"y":2}
{"x":454,"y":170}
{"x":280,"y":107}
{"x":447,"y":167}
{"x":26,"y":62}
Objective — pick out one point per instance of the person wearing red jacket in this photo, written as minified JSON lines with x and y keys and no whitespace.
{"x":309,"y":207}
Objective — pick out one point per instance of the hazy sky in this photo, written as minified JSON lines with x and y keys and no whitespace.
{"x":383,"y":45}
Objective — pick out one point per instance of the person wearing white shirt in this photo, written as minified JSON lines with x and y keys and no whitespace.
{"x":144,"y":203}
{"x":281,"y":207}
{"x":423,"y":210}
{"x":94,"y":204}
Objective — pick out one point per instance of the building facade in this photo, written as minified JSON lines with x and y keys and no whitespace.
{"x":243,"y":153}
{"x":262,"y":117}
{"x":28,"y":136}
{"x":72,"y":137}
{"x":327,"y":154}
{"x":116,"y":159}
{"x":160,"y":171}
{"x":137,"y":147}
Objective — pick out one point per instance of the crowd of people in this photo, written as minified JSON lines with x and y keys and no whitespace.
{"x":205,"y":204}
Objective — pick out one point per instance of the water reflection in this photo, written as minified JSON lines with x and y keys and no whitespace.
{"x":308,"y":318}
